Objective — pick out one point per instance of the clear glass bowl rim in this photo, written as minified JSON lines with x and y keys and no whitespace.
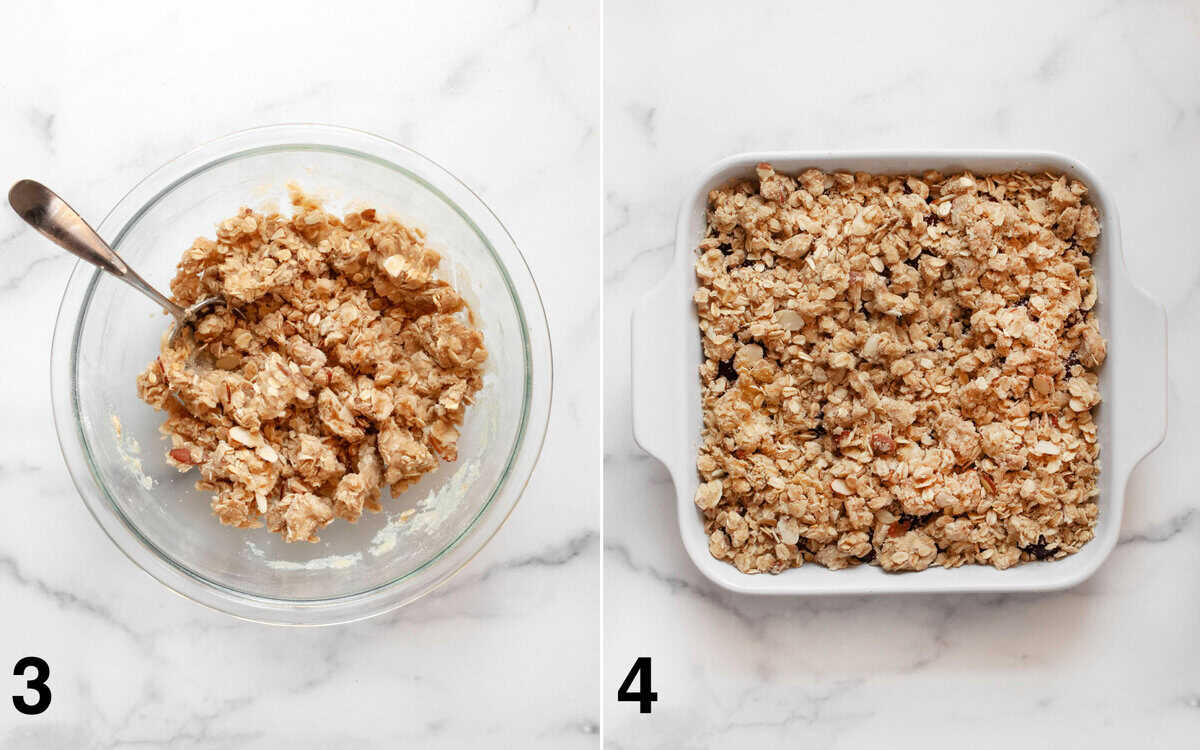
{"x":539,"y":375}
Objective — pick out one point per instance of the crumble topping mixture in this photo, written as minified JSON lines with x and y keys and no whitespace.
{"x":342,"y":364}
{"x":899,"y":370}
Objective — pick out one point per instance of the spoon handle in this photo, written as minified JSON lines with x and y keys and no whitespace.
{"x":43,"y":210}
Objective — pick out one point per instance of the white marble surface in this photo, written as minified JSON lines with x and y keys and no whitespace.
{"x":504,"y":94}
{"x":1114,"y":661}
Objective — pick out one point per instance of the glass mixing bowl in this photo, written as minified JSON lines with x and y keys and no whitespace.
{"x":107,"y":333}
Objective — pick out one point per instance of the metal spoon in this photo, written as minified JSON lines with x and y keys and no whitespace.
{"x":43,"y":210}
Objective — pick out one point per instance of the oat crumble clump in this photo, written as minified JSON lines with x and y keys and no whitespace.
{"x":899,"y":370}
{"x":342,"y":365}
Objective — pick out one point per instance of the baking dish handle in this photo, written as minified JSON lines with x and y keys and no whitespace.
{"x":1141,"y":380}
{"x":657,"y":351}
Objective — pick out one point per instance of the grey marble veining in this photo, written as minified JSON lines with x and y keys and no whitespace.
{"x":1110,"y":663}
{"x":507,"y":96}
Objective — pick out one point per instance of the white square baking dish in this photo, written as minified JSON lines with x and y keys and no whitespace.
{"x":666,"y":387}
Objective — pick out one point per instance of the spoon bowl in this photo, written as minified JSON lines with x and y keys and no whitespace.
{"x":192,"y":313}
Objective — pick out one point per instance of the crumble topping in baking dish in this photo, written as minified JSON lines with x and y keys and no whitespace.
{"x":899,"y":370}
{"x":342,"y":365}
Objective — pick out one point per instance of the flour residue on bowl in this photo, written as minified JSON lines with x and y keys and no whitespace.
{"x":431,"y":511}
{"x":128,"y":449}
{"x":329,"y":562}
